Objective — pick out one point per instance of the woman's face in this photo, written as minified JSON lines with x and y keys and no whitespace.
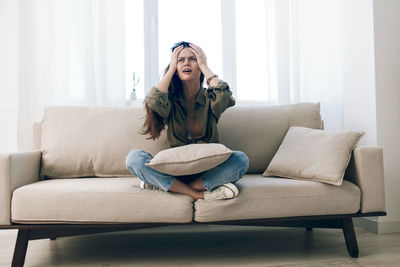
{"x":187,"y":66}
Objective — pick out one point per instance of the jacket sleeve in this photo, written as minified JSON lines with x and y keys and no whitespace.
{"x":159,"y":102}
{"x":220,"y":97}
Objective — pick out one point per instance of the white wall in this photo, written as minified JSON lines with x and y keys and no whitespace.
{"x":359,"y":100}
{"x":320,"y":57}
{"x":8,"y":74}
{"x":372,"y":92}
{"x":387,"y":75}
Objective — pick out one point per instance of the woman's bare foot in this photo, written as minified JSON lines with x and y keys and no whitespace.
{"x":198,"y":185}
{"x":182,"y":188}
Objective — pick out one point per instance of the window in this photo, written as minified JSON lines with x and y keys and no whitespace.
{"x":251,"y":53}
{"x":134,"y":47}
{"x":194,"y":21}
{"x":243,"y":54}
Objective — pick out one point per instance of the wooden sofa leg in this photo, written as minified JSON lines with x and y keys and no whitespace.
{"x":350,"y":237}
{"x":20,"y":248}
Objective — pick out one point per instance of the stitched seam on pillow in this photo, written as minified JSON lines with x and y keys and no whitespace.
{"x":205,"y":157}
{"x":351,"y":151}
{"x":307,"y":179}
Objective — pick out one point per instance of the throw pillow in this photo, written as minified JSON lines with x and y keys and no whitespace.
{"x":190,"y":159}
{"x":315,"y":155}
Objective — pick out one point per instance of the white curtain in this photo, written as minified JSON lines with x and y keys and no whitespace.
{"x":71,"y":52}
{"x":309,"y":54}
{"x":291,"y":51}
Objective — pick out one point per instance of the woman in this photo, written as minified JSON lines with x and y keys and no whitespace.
{"x":191,"y":113}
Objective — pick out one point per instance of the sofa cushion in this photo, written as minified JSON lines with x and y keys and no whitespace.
{"x":92,"y":141}
{"x":262,"y":197}
{"x":97,"y":200}
{"x":190,"y":159}
{"x":314,"y":155}
{"x":259,"y":130}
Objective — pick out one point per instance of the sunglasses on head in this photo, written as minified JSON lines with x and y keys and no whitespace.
{"x":185,"y":44}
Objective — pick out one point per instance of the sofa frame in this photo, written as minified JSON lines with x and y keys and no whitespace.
{"x":364,"y":170}
{"x":28,"y":232}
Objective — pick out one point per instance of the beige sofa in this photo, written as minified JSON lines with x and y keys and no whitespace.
{"x":76,"y":182}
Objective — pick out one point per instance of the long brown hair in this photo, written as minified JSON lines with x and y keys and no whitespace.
{"x":154,"y":124}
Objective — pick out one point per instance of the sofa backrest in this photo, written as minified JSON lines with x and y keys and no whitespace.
{"x":81,"y":141}
{"x":259,"y":130}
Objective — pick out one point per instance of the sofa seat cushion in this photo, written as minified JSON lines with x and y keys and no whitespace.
{"x":97,"y":200}
{"x":272,"y":197}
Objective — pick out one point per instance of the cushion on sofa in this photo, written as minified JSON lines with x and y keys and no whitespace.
{"x":259,"y":130}
{"x":97,"y":200}
{"x":190,"y":159}
{"x":314,"y":155}
{"x":92,"y":141}
{"x":262,"y":197}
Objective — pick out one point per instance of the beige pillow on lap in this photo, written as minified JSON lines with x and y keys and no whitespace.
{"x":190,"y":159}
{"x":315,"y":155}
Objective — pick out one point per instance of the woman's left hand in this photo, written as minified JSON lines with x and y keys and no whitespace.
{"x":201,"y":57}
{"x":202,"y":62}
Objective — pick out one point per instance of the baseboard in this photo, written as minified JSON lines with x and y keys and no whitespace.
{"x":372,"y":224}
{"x":9,"y":232}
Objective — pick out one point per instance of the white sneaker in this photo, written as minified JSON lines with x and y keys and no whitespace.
{"x":143,"y":185}
{"x":225,"y":191}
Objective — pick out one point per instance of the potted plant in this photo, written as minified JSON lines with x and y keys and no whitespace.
{"x":136,"y":80}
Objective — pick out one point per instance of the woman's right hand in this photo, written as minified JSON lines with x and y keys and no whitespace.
{"x":174,"y":58}
{"x":166,"y":79}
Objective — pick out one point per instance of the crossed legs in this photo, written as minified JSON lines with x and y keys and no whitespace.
{"x":228,"y":172}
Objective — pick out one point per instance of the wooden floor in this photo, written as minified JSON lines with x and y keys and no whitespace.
{"x":208,"y":245}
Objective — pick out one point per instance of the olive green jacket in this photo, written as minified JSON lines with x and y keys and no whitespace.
{"x":210,"y":103}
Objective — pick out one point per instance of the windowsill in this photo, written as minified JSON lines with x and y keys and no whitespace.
{"x":134,"y":103}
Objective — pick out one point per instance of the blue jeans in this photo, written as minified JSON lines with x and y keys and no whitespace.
{"x":229,"y":171}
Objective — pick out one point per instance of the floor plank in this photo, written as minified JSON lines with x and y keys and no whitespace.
{"x":208,"y":245}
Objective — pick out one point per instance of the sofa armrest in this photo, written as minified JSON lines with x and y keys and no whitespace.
{"x":16,"y":169}
{"x":366,"y":171}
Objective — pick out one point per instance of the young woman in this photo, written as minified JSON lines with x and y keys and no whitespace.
{"x":191,"y":113}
